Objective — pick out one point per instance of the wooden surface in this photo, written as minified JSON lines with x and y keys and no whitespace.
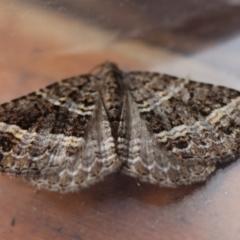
{"x":40,"y":47}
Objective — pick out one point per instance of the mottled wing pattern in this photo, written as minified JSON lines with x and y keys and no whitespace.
{"x":177,"y":130}
{"x":158,"y":128}
{"x":58,"y":137}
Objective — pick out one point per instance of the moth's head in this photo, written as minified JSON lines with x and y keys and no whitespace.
{"x":105,"y":68}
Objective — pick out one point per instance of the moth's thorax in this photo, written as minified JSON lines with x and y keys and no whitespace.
{"x":112,"y":94}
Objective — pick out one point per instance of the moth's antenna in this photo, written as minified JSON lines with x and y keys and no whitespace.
{"x":99,"y":66}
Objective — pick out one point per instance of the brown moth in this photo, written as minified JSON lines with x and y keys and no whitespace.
{"x":158,"y":128}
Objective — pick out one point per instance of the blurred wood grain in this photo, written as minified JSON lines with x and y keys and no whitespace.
{"x":118,"y":207}
{"x":185,"y":26}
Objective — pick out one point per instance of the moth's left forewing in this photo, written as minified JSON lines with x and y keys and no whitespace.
{"x":179,"y":129}
{"x":58,"y":137}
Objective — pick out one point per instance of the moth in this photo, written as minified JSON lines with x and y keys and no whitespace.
{"x":158,"y":128}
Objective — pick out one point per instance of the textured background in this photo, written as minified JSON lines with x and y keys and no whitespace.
{"x":46,"y":41}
